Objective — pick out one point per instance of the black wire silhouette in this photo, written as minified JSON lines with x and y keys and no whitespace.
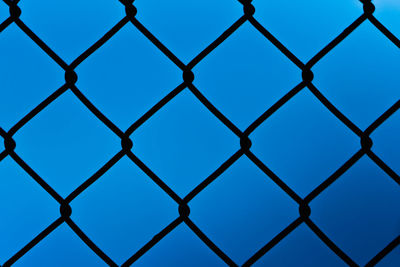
{"x":245,"y":142}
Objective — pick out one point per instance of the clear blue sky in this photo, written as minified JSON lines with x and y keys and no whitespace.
{"x":183,"y":143}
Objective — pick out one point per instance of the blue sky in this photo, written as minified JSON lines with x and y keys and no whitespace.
{"x":183,"y":143}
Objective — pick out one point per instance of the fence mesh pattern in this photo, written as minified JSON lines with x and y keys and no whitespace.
{"x":245,"y":142}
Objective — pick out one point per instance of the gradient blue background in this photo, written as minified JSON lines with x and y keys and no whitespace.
{"x":183,"y":143}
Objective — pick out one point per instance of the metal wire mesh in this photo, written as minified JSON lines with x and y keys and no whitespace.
{"x":245,"y":142}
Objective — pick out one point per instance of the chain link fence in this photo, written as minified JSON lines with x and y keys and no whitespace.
{"x":245,"y":142}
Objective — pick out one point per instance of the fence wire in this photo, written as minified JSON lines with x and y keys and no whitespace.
{"x":245,"y":142}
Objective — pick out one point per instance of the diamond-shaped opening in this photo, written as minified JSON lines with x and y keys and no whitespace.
{"x":188,"y":27}
{"x":184,"y":143}
{"x":386,"y":142}
{"x":306,"y":27}
{"x":245,"y":75}
{"x":71,"y":26}
{"x":61,"y":248}
{"x":242,"y":210}
{"x":359,"y":212}
{"x":123,"y":210}
{"x":66,"y":144}
{"x":27,"y":74}
{"x":360,"y":76}
{"x":26,"y":209}
{"x":300,"y":247}
{"x":388,"y":13}
{"x":303,"y":143}
{"x":127,"y":76}
{"x":393,"y":259}
{"x":188,"y":250}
